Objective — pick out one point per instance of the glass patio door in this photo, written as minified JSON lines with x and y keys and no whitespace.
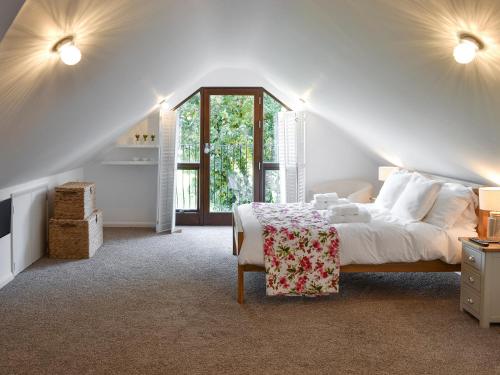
{"x":230,"y":151}
{"x":227,"y":153}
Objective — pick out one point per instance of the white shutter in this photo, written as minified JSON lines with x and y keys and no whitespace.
{"x":167,"y":166}
{"x":291,"y":136}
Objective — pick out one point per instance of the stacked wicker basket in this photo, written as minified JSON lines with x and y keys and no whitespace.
{"x":75,"y":232}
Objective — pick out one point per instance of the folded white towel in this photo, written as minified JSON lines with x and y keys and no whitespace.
{"x":320,"y":205}
{"x":326,"y":198}
{"x":325,"y":205}
{"x":344,"y":209}
{"x":363,"y":216}
{"x":333,"y":196}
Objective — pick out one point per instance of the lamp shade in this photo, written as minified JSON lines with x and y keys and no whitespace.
{"x":385,"y":172}
{"x":489,"y":198}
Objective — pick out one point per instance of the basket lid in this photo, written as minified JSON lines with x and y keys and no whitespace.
{"x":75,"y":185}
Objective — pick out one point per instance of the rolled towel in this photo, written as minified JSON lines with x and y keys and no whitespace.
{"x":362,"y":217}
{"x":344,"y":209}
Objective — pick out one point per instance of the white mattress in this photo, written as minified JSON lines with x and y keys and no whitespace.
{"x":384,"y":240}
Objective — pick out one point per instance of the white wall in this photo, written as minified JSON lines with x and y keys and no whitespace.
{"x":331,"y":154}
{"x":5,"y":242}
{"x":127,"y":194}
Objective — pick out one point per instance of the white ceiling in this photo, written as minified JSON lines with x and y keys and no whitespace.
{"x":381,"y":70}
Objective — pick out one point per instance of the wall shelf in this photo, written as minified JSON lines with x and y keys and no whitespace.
{"x":136,"y":146}
{"x":129,"y":162}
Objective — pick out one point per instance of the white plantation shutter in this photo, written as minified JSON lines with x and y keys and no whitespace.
{"x":167,"y":165}
{"x":291,"y":137}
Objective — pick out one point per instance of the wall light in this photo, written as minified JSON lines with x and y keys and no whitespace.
{"x":164,"y":105}
{"x":68,"y":52}
{"x":385,"y":172}
{"x":467,"y":48}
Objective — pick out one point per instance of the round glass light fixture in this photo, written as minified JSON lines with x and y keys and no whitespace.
{"x":68,"y":51}
{"x":467,"y":48}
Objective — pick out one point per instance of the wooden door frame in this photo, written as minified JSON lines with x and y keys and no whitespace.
{"x":206,"y":92}
{"x":202,"y":216}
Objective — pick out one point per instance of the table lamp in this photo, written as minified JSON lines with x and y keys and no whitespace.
{"x":385,"y":172}
{"x":489,"y":200}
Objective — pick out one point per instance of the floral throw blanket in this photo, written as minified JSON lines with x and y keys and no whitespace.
{"x":300,"y":250}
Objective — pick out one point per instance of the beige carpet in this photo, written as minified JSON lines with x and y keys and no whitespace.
{"x":148,"y":304}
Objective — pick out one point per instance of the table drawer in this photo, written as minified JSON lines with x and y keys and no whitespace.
{"x":470,"y":300}
{"x":472,"y":257}
{"x":471,"y":277}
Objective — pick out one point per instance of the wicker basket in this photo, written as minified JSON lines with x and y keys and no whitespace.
{"x":75,"y":239}
{"x":74,"y":200}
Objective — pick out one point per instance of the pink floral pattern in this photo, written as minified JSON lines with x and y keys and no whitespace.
{"x":300,"y":250}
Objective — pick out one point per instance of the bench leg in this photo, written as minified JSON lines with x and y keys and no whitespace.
{"x":241,"y":284}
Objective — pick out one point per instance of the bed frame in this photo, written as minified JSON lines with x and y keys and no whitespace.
{"x":421,"y":266}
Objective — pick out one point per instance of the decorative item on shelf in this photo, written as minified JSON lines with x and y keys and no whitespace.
{"x":145,"y":137}
{"x":137,"y":137}
{"x":135,"y":158}
{"x":153,"y":138}
{"x":489,"y":200}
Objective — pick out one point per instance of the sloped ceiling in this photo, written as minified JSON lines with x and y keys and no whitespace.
{"x":8,"y":11}
{"x":381,"y":70}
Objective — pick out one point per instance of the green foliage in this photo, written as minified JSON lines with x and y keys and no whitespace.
{"x":271,"y":109}
{"x":189,"y":125}
{"x":231,"y":153}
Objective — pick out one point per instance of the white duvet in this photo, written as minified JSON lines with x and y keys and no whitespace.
{"x":384,"y":240}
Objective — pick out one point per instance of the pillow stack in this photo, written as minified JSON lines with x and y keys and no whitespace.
{"x":412,"y":197}
{"x":450,"y":205}
{"x":392,"y":189}
{"x":416,"y":199}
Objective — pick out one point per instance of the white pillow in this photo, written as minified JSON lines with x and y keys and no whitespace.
{"x":392,"y":189}
{"x":468,"y":219}
{"x":416,"y":199}
{"x":450,"y":204}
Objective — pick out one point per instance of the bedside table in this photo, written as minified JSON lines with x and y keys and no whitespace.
{"x":480,"y":282}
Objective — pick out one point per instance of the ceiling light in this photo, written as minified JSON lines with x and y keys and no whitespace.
{"x":68,"y":52}
{"x":164,"y":105}
{"x":467,"y":48}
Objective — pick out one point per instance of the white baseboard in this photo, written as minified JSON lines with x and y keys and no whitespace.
{"x":6,"y":279}
{"x":129,"y":224}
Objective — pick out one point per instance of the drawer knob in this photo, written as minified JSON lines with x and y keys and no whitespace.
{"x":472,"y":259}
{"x":471,"y":280}
{"x":470,"y":301}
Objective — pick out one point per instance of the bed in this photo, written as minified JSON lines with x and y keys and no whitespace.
{"x":383,"y":245}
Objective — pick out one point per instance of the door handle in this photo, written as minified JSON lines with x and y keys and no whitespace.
{"x":206,"y":149}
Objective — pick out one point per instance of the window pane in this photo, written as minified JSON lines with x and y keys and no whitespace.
{"x":272,"y":186}
{"x":186,"y":190}
{"x":189,"y":131}
{"x":231,"y":151}
{"x":271,"y":109}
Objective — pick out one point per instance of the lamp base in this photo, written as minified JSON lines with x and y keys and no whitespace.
{"x":493,"y":232}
